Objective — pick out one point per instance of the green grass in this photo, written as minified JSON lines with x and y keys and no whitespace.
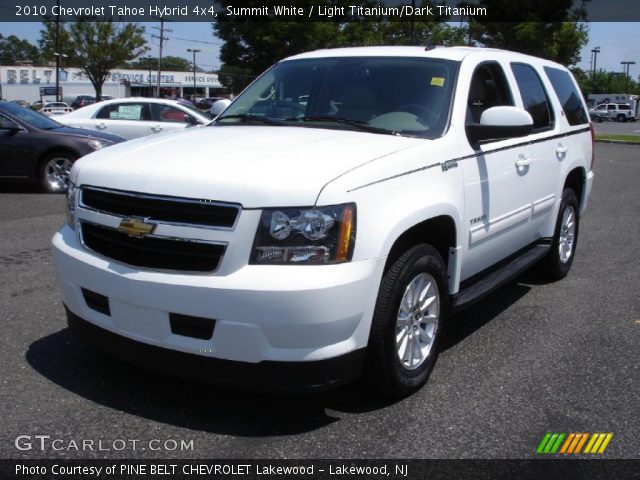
{"x":619,"y":138}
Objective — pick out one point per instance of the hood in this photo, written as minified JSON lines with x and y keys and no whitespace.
{"x":256,"y":166}
{"x":85,"y":132}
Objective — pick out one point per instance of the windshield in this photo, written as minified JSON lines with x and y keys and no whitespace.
{"x":400,"y":95}
{"x":34,"y":119}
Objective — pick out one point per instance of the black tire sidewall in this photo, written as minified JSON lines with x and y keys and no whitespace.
{"x":558,"y":269}
{"x":389,"y":374}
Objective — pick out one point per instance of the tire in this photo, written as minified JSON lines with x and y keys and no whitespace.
{"x":391,"y":368}
{"x":621,"y":118}
{"x":632,"y":119}
{"x":53,"y":173}
{"x":599,"y":119}
{"x":565,"y":239}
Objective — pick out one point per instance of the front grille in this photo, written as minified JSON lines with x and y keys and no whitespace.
{"x":152,"y":252}
{"x":159,"y":208}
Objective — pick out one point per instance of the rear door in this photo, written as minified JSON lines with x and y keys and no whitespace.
{"x":547,"y":151}
{"x":128,"y":119}
{"x":167,"y":118}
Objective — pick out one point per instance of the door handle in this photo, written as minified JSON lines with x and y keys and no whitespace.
{"x":561,"y":151}
{"x":156,"y":129}
{"x":101,"y":126}
{"x":523,"y":161}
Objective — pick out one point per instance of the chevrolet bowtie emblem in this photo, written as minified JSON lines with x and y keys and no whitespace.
{"x":136,"y":227}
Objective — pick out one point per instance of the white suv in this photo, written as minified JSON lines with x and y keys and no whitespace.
{"x":332,"y":218}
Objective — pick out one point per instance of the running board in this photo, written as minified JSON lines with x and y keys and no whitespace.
{"x":487,"y":284}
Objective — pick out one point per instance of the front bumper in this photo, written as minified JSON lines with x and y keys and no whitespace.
{"x":263,"y":314}
{"x":284,"y":377}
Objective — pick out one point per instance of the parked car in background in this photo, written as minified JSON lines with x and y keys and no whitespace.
{"x":206,"y":103}
{"x":22,"y":103}
{"x":620,"y":112}
{"x":37,"y":105}
{"x":83,"y":101}
{"x":135,"y":117}
{"x":39,"y":149}
{"x":55,"y":108}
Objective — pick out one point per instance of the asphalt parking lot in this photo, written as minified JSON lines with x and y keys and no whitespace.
{"x":618,"y":128}
{"x":532,"y":358}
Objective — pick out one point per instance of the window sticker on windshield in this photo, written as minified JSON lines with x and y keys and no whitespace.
{"x":437,"y":81}
{"x":128,"y":112}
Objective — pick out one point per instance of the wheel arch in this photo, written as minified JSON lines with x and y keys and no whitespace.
{"x":576,"y":180}
{"x":440,"y":231}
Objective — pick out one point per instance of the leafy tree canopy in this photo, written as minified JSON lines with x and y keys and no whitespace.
{"x":95,"y":47}
{"x":250,"y":47}
{"x":169,"y":62}
{"x":553,"y":29}
{"x":14,"y":50}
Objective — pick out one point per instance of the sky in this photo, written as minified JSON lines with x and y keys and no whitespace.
{"x":618,"y":42}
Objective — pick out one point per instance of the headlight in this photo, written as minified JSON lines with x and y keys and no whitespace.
{"x":96,"y":144}
{"x":322,"y":235}
{"x":71,"y":205}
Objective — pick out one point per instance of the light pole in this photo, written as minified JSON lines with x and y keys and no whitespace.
{"x":625,"y":68}
{"x":194,"y":50}
{"x":595,"y":52}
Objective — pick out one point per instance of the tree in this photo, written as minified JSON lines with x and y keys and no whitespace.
{"x":607,"y":82}
{"x":95,"y":47}
{"x":14,"y":50}
{"x":552,"y":31}
{"x":235,"y":79}
{"x":250,"y":46}
{"x":177,"y":64}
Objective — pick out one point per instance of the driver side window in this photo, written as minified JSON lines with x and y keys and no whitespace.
{"x":489,"y":88}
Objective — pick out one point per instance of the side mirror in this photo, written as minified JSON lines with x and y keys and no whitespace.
{"x":498,"y":123}
{"x":10,"y":125}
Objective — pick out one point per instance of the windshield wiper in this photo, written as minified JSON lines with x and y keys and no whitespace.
{"x":250,"y":117}
{"x":345,"y":121}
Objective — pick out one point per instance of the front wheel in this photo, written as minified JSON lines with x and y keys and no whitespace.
{"x":408,"y":321}
{"x":565,"y":239}
{"x":54,"y":172}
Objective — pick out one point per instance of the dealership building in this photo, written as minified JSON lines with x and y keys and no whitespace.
{"x":31,"y":83}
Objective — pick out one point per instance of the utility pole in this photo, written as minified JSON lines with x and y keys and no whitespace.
{"x":149,"y":67}
{"x":162,"y":39}
{"x":58,"y":52}
{"x":625,"y":69}
{"x":194,"y":50}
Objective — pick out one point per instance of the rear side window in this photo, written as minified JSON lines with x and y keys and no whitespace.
{"x":124,"y":111}
{"x":534,"y":96}
{"x":568,"y":95}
